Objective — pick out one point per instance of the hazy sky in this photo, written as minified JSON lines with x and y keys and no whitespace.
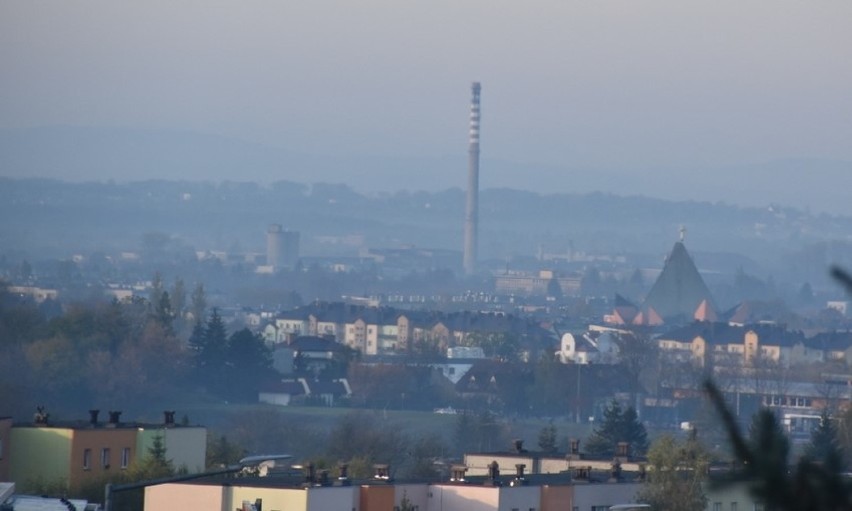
{"x":628,"y":84}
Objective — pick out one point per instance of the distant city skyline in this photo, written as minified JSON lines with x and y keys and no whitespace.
{"x":581,"y":95}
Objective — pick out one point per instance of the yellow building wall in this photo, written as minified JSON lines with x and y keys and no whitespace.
{"x":274,"y":499}
{"x":39,"y":456}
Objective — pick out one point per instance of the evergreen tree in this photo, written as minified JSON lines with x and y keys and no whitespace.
{"x":156,"y":289}
{"x":764,"y":458}
{"x":198,"y":302}
{"x":248,"y":360}
{"x":178,"y":299}
{"x":221,"y":452}
{"x":215,"y":343}
{"x":824,"y":446}
{"x":547,"y":438}
{"x":196,"y":339}
{"x":155,"y":464}
{"x":163,"y":312}
{"x":618,"y":426}
{"x":211,"y":352}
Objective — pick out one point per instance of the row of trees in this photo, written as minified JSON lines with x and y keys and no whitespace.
{"x":112,"y":354}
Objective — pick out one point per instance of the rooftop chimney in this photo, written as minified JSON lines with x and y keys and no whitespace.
{"x":343,"y":475}
{"x":323,"y":478}
{"x":310,"y":475}
{"x":381,"y":472}
{"x":622,"y":451}
{"x":168,"y":418}
{"x":41,"y":417}
{"x":615,"y":471}
{"x":582,"y":474}
{"x":574,"y":449}
{"x":457,"y":473}
{"x":114,"y":418}
{"x":519,"y":479}
{"x":93,"y":417}
{"x":493,"y":474}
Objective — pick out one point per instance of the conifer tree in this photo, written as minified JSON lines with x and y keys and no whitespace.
{"x":618,"y":426}
{"x":824,"y":446}
{"x":547,"y":438}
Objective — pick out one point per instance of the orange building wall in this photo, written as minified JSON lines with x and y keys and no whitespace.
{"x":116,"y":439}
{"x":377,"y":498}
{"x":557,"y":498}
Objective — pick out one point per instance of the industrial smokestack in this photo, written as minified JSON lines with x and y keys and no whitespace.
{"x":471,"y":215}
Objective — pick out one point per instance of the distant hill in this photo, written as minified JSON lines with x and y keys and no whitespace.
{"x":49,"y":218}
{"x":123,"y":154}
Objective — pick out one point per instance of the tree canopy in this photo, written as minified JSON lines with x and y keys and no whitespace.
{"x":618,"y":426}
{"x":677,"y":471}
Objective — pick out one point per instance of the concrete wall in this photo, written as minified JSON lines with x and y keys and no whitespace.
{"x":520,"y":497}
{"x":477,"y":464}
{"x":343,"y":498}
{"x":185,"y":446}
{"x":274,"y":499}
{"x":463,"y":498}
{"x":417,"y":494}
{"x":603,"y":494}
{"x":727,"y":494}
{"x":185,"y":497}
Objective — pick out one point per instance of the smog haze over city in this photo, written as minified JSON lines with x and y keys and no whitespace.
{"x":403,"y":237}
{"x":671,"y":100}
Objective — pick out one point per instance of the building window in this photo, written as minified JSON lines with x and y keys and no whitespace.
{"x":87,"y":459}
{"x":125,"y":457}
{"x":105,"y":457}
{"x":733,"y":506}
{"x":717,"y":506}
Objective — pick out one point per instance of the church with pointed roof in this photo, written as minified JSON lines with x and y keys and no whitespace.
{"x":678,"y":294}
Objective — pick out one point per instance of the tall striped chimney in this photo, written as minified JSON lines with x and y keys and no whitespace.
{"x":471,"y":213}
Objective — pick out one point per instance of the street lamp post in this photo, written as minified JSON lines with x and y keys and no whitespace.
{"x":250,"y":461}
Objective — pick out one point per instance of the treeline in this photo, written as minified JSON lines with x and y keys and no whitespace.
{"x":128,"y":355}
